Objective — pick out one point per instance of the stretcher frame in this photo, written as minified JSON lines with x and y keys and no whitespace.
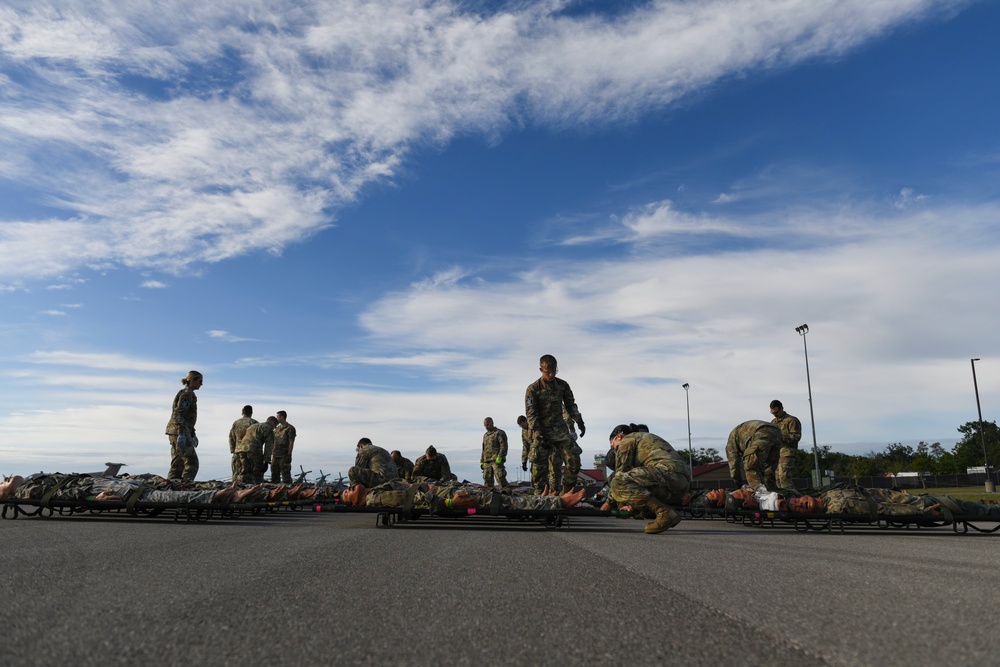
{"x":14,"y":508}
{"x":961,"y":524}
{"x":387,"y":517}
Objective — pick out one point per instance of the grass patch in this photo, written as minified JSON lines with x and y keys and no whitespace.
{"x":972,"y":493}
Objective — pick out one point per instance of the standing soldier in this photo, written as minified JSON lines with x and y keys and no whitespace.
{"x":752,"y":451}
{"x":254,"y":451}
{"x":544,"y":402}
{"x":494,"y":454}
{"x":791,"y":433}
{"x":236,"y":434}
{"x":180,"y":430}
{"x":372,"y":466}
{"x":284,"y":443}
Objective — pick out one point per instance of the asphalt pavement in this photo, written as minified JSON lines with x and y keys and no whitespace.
{"x":331,"y":588}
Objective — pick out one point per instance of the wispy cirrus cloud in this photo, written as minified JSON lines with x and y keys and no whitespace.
{"x":227,"y":337}
{"x":164,"y":131}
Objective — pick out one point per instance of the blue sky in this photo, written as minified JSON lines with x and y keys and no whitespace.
{"x":377,"y":216}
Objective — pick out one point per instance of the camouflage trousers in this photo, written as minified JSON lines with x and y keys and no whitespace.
{"x":252,"y":467}
{"x":558,"y":444}
{"x":183,"y":461}
{"x":237,"y":470}
{"x":786,"y":467}
{"x":635,"y":486}
{"x":760,"y":458}
{"x":492,"y":468}
{"x":365,"y":477}
{"x":539,"y":467}
{"x":281,"y":468}
{"x":570,"y":476}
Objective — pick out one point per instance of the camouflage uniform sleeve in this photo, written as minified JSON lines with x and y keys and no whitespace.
{"x":445,"y":466}
{"x":731,"y":457}
{"x":569,"y":402}
{"x":232,"y":439}
{"x":503,"y":444}
{"x":530,"y":411}
{"x":525,"y":445}
{"x":794,"y":433}
{"x":482,"y":452}
{"x":269,"y":445}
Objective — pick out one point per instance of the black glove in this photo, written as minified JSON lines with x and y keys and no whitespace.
{"x":583,"y":429}
{"x":524,"y":466}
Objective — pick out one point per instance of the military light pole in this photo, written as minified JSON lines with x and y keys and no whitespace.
{"x":687,"y":398}
{"x":990,"y":486}
{"x":802,"y":331}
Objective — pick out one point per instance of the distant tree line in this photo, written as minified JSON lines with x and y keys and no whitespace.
{"x":895,"y":458}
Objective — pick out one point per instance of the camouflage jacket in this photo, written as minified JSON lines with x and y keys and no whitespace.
{"x":638,"y":450}
{"x":405,"y":468}
{"x":544,"y":403}
{"x":436,"y":469}
{"x":239,"y":430}
{"x":791,"y":429}
{"x":184,"y":413}
{"x":494,"y":445}
{"x":376,"y":459}
{"x":284,"y":437}
{"x":258,"y":438}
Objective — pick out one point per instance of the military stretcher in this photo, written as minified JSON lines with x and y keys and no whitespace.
{"x":132,"y":506}
{"x":387,"y":517}
{"x":960,"y":523}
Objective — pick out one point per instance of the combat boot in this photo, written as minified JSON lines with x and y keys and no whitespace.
{"x":665,"y":517}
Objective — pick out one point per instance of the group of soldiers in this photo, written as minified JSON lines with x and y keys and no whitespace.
{"x":257,"y":445}
{"x":763,"y":453}
{"x":548,"y":437}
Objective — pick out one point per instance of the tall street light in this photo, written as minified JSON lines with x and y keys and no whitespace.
{"x":802,"y":331}
{"x":687,"y":397}
{"x":990,"y":486}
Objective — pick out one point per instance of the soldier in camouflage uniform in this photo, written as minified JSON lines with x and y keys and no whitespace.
{"x":254,"y":451}
{"x":544,"y":402}
{"x":404,"y":466}
{"x":791,"y":433}
{"x":372,"y":466}
{"x":284,"y":443}
{"x":180,"y":429}
{"x":754,"y":445}
{"x":649,"y":475}
{"x":116,"y":489}
{"x":433,"y":465}
{"x":449,"y":495}
{"x":236,"y":434}
{"x":494,"y":454}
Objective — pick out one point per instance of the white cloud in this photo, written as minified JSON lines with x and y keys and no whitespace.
{"x":227,"y":337}
{"x":256,"y":121}
{"x":907,"y":197}
{"x":101,"y":361}
{"x":153,"y":284}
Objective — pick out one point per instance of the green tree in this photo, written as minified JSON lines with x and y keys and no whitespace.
{"x":704,"y":455}
{"x":969,"y":450}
